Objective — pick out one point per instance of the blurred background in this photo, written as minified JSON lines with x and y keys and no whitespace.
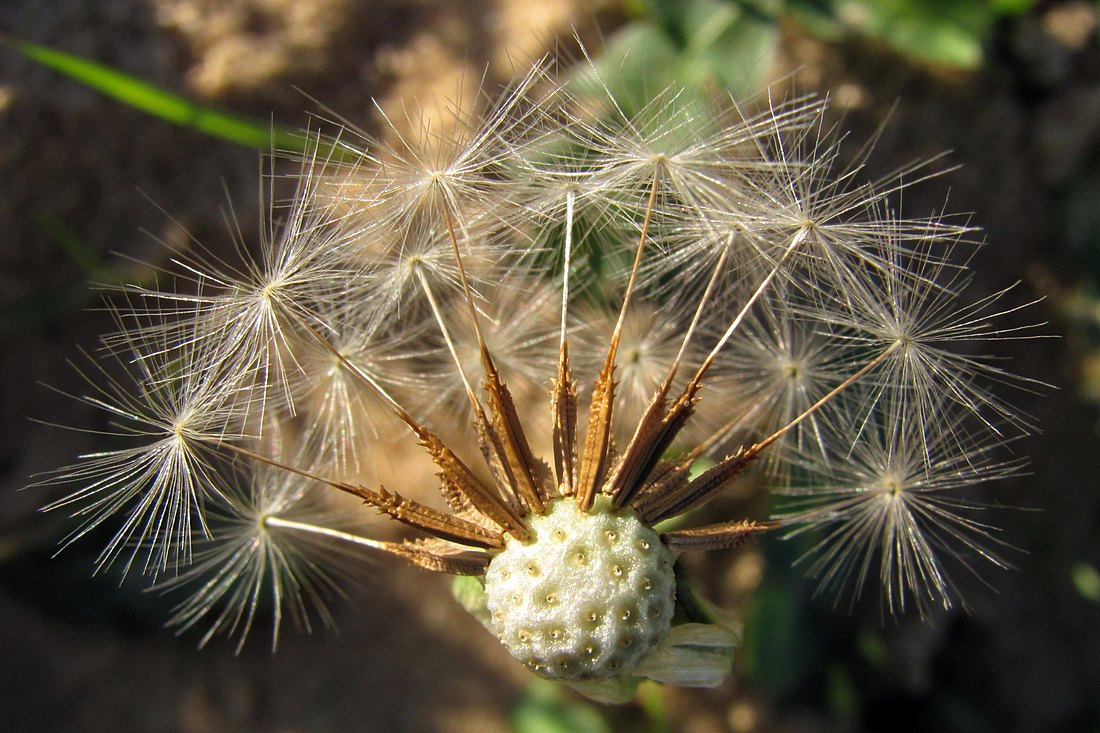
{"x":91,"y":188}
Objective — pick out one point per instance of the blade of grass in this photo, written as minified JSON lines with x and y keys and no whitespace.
{"x":69,"y":242}
{"x":166,"y":105}
{"x":42,"y":306}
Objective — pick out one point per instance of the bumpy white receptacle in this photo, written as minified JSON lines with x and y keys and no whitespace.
{"x":586,"y":597}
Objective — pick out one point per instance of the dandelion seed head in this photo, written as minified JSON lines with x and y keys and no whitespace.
{"x":707,"y":285}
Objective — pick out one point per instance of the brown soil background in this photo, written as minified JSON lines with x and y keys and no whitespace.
{"x":80,"y":654}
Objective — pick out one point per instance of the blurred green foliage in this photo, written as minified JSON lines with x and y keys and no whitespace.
{"x":782,"y":645}
{"x":690,"y":45}
{"x":732,"y":43}
{"x":544,"y":708}
{"x":943,"y":32}
{"x":1087,"y":581}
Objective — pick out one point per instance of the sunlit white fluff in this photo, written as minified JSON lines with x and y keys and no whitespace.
{"x":167,"y":413}
{"x":893,"y":504}
{"x":255,"y":561}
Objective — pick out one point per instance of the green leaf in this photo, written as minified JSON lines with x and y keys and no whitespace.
{"x":651,"y":698}
{"x":818,"y":17}
{"x":42,"y":306}
{"x":781,"y":647}
{"x":142,"y":95}
{"x":543,"y":710}
{"x":935,"y":41}
{"x":841,"y":692}
{"x":872,"y":648}
{"x":1011,"y":7}
{"x":635,"y":66}
{"x":740,"y":56}
{"x":943,"y":32}
{"x":688,"y":46}
{"x":69,"y":242}
{"x":1087,"y":581}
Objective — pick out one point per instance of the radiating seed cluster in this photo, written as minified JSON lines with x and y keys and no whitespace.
{"x":696,"y":291}
{"x":587,"y":596}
